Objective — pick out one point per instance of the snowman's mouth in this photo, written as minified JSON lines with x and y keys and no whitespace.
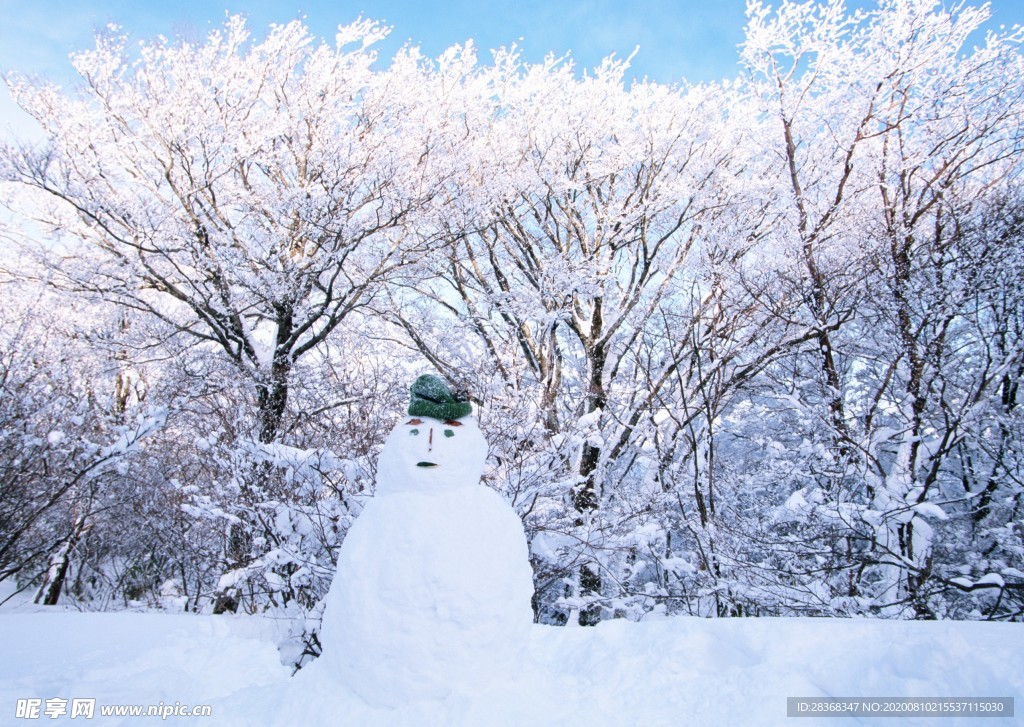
{"x":426,"y":464}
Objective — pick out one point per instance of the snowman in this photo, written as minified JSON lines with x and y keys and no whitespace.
{"x":433,"y":585}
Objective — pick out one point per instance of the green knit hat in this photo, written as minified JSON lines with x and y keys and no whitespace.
{"x":431,"y":397}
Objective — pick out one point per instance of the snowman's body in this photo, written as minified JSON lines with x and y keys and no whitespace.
{"x":433,"y":586}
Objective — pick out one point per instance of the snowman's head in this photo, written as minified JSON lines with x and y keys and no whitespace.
{"x":438,"y":447}
{"x":426,"y":455}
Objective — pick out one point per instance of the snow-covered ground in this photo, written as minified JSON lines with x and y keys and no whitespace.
{"x":679,"y":671}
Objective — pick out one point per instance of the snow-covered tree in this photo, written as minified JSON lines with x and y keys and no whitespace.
{"x":252,"y":195}
{"x":893,"y":147}
{"x":68,"y":434}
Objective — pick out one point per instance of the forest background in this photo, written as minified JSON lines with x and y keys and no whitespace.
{"x":743,"y":348}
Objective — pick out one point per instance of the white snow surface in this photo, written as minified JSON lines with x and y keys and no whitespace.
{"x":675,"y":671}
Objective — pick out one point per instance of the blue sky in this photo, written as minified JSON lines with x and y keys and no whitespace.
{"x":695,"y":39}
{"x":677,"y":39}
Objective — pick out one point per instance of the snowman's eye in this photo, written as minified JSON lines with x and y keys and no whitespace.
{"x":449,"y":433}
{"x":414,"y":431}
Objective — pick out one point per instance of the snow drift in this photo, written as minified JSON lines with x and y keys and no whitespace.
{"x":665,"y":672}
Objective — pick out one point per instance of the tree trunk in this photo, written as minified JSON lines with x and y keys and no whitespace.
{"x":587,"y":497}
{"x":60,"y":561}
{"x":273,"y":394}
{"x":272,"y":399}
{"x":53,"y":581}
